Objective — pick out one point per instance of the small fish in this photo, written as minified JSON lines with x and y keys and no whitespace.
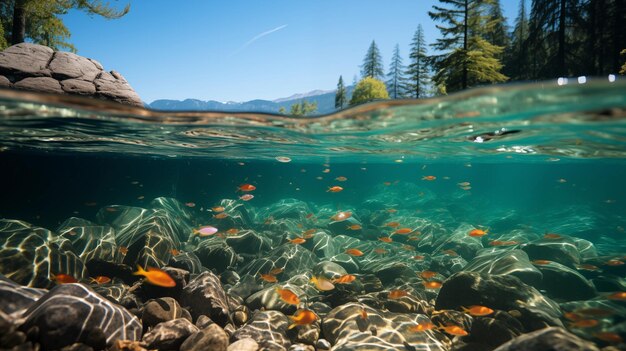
{"x":246,"y":187}
{"x":309,"y":232}
{"x":428,"y":274}
{"x":334,"y":189}
{"x":587,"y":267}
{"x":205,"y":231}
{"x":478,"y":311}
{"x":477,"y":233}
{"x":432,"y":284}
{"x":354,"y":227}
{"x":464,"y":184}
{"x":619,"y":296}
{"x":363,"y":314}
{"x":354,"y":252}
{"x":454,"y":330}
{"x":101,"y":279}
{"x":380,"y":251}
{"x":584,"y":323}
{"x":141,"y":197}
{"x":609,"y":337}
{"x":392,"y":224}
{"x":614,"y":263}
{"x":221,"y":215}
{"x":341,"y":216}
{"x":277,"y":271}
{"x":345,"y":279}
{"x":322,"y":284}
{"x":232,"y":231}
{"x":110,"y":209}
{"x":385,"y":239}
{"x":552,"y":236}
{"x":283,"y":159}
{"x":268,"y":278}
{"x":246,"y":197}
{"x":450,"y":253}
{"x":327,"y":170}
{"x":309,"y":215}
{"x":190,"y":204}
{"x":341,"y":179}
{"x":156,"y":277}
{"x":297,"y":241}
{"x":123,"y":250}
{"x":62,"y":278}
{"x":503,"y":242}
{"x":430,"y":177}
{"x":392,"y":210}
{"x":396,"y":294}
{"x":541,"y":262}
{"x":403,"y":231}
{"x":218,"y":209}
{"x":302,"y":317}
{"x":387,"y":183}
{"x":408,"y":247}
{"x":421,"y":327}
{"x":287,"y":296}
{"x":419,"y":257}
{"x":572,"y":316}
{"x":562,"y":180}
{"x":174,"y":252}
{"x":595,"y":312}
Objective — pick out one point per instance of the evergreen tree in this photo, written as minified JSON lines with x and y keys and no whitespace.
{"x":372,"y":63}
{"x":605,"y":28}
{"x":468,"y":58}
{"x":303,"y":108}
{"x":517,"y":60}
{"x":623,"y":69}
{"x":368,"y":89}
{"x":396,"y":83}
{"x":418,"y":78}
{"x":496,"y":29}
{"x":340,"y":95}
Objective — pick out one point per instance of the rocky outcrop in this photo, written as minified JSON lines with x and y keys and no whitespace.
{"x":36,"y":67}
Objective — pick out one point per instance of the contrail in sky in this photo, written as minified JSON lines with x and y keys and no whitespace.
{"x":259,"y":36}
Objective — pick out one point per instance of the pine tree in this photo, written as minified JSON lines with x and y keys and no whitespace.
{"x":372,"y":63}
{"x":496,"y":29}
{"x":517,"y":60}
{"x":468,"y":58}
{"x":417,"y":72}
{"x":340,"y":95}
{"x":396,"y":83}
{"x":605,"y":27}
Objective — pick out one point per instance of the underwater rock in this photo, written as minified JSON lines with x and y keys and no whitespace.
{"x":212,"y":338}
{"x":238,"y":215}
{"x":323,"y":245}
{"x":188,"y":261}
{"x":562,"y":250}
{"x":464,"y":245}
{"x":548,"y":339}
{"x":270,"y":300}
{"x":28,"y":255}
{"x":248,"y":241}
{"x":505,"y":262}
{"x":246,"y":344}
{"x":562,"y":282}
{"x":204,"y":295}
{"x":293,"y":259}
{"x":267,"y":328}
{"x":494,"y":330}
{"x":162,"y":310}
{"x":328,"y":270}
{"x":89,"y":240}
{"x":216,"y":254}
{"x":14,"y":298}
{"x":343,"y":227}
{"x":169,"y":335}
{"x":287,"y":208}
{"x":26,"y":61}
{"x":72,"y":313}
{"x":301,"y":347}
{"x":499,"y":292}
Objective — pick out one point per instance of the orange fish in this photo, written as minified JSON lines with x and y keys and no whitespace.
{"x":268,"y":278}
{"x":218,"y":209}
{"x":396,"y":294}
{"x":345,"y":279}
{"x":232,"y":231}
{"x":327,"y":170}
{"x":588,"y":267}
{"x":156,"y":276}
{"x":620,"y":295}
{"x":380,"y":251}
{"x":541,"y":262}
{"x":309,"y":232}
{"x":354,"y":227}
{"x":322,"y":284}
{"x":277,"y":270}
{"x":478,"y":311}
{"x":432,"y":285}
{"x":302,"y":317}
{"x":408,"y":247}
{"x":572,"y":316}
{"x":190,"y":204}
{"x":297,"y":241}
{"x":584,"y":323}
{"x":419,"y":257}
{"x":363,"y":313}
{"x":341,"y":179}
{"x":503,"y":242}
{"x":403,"y":231}
{"x":430,"y":177}
{"x":428,"y":274}
{"x":123,"y":250}
{"x":101,"y":279}
{"x":111,"y":209}
{"x":342,"y":215}
{"x":392,"y":210}
{"x":454,"y":330}
{"x":609,"y":337}
{"x":288,"y":296}
{"x":334,"y":189}
{"x":597,"y":312}
{"x":387,"y":183}
{"x":309,"y":215}
{"x":413,"y":238}
{"x":62,"y":278}
{"x":174,"y":252}
{"x":246,"y":187}
{"x":552,"y":236}
{"x":392,"y":224}
{"x":421,"y":327}
{"x":221,"y":215}
{"x":477,"y":233}
{"x":385,"y":239}
{"x":354,"y":252}
{"x":614,"y":263}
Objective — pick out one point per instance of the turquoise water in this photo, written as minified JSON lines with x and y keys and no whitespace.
{"x":519,"y":161}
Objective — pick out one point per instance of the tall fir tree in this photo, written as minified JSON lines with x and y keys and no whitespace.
{"x":372,"y":63}
{"x":468,"y":59}
{"x":517,"y":60}
{"x":340,"y":95}
{"x":418,"y":69}
{"x":396,"y":81}
{"x":496,"y":29}
{"x":605,"y":27}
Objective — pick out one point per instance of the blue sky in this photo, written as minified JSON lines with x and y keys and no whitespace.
{"x":240,"y":50}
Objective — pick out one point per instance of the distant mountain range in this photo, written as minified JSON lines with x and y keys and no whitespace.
{"x":325,"y":103}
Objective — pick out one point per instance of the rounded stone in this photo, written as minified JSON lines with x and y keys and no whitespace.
{"x":212,"y":338}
